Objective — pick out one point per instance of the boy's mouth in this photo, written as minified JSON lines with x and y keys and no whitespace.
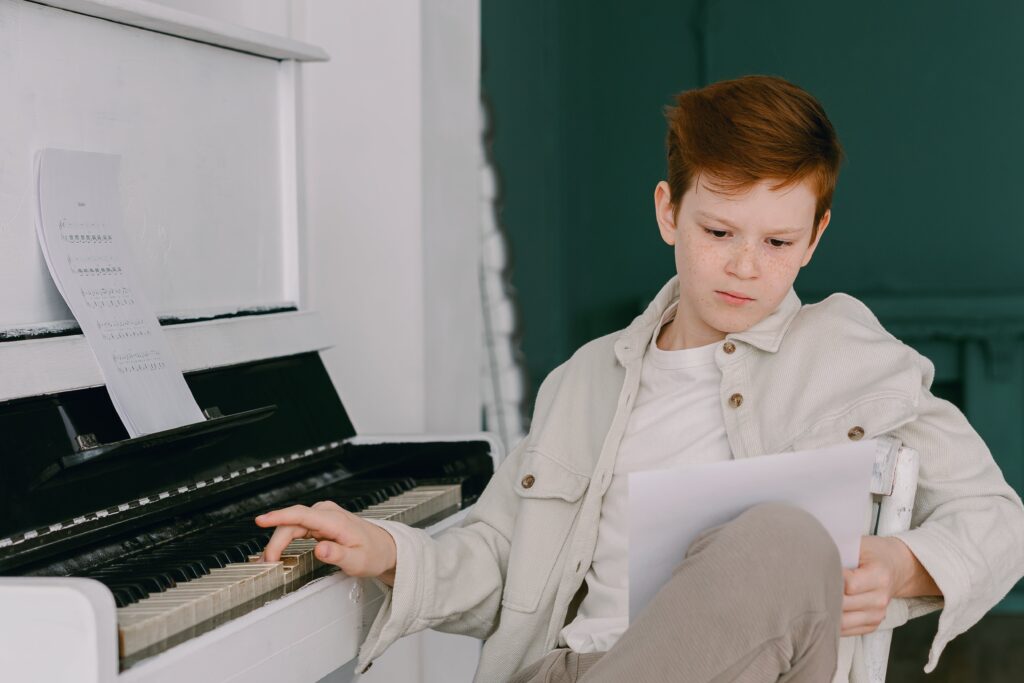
{"x":734,"y":298}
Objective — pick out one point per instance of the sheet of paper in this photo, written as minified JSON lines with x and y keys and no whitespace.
{"x":79,"y":229}
{"x":668,"y":509}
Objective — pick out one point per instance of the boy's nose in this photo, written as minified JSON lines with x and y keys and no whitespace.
{"x":743,"y":263}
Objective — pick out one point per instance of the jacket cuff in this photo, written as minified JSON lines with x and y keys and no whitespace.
{"x":943,"y":562}
{"x":398,"y":613}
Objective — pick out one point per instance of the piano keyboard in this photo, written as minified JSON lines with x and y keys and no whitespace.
{"x":186,"y":587}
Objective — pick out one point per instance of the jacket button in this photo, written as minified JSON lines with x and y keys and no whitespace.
{"x":528,"y":481}
{"x":728,"y":347}
{"x":736,"y":400}
{"x":855,"y":433}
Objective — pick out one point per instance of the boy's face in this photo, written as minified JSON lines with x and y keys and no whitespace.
{"x":737,"y":255}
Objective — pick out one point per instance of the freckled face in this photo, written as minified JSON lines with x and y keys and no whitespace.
{"x":737,"y":255}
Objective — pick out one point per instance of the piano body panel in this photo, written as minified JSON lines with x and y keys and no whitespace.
{"x":225,"y":253}
{"x":497,"y":449}
{"x":71,"y":616}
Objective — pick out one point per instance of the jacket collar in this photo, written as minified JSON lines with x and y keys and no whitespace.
{"x":766,"y":335}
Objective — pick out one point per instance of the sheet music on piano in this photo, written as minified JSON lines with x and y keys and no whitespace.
{"x":80,"y":232}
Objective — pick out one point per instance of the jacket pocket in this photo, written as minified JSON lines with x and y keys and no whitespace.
{"x":866,"y":419}
{"x":549,"y":500}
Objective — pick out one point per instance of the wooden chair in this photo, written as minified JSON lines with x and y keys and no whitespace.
{"x":893,"y":487}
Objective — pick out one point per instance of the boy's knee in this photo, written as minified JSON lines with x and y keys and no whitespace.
{"x":797,"y":537}
{"x":786,"y":535}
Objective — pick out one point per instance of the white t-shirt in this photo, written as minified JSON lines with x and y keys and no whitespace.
{"x":676,"y":420}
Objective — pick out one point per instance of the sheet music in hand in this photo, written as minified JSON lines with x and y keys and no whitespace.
{"x":669,"y":508}
{"x":79,"y":226}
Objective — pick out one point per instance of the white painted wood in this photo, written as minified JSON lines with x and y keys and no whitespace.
{"x":198,"y":27}
{"x":883,"y":473}
{"x":390,"y":143}
{"x":896,"y":509}
{"x":207,"y":141}
{"x":894,"y":515}
{"x":451,"y":211}
{"x":362,"y":197}
{"x":47,"y":366}
{"x":72,"y":617}
{"x":291,"y":235}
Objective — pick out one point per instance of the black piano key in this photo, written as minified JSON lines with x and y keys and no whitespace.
{"x":218,"y":558}
{"x":251,"y":546}
{"x":236,"y":554}
{"x":172,"y":572}
{"x":121,"y":597}
{"x":148,"y":584}
{"x":134,"y":592}
{"x":163,"y":577}
{"x":191,"y":568}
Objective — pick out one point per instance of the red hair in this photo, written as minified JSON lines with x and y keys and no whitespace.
{"x":751,"y":129}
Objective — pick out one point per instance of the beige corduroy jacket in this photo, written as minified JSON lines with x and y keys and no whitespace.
{"x":808,"y":375}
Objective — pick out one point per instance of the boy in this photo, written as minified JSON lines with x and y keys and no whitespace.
{"x":725,"y":363}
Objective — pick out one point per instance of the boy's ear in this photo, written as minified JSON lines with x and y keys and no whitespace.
{"x":826,"y":218}
{"x":665,"y":213}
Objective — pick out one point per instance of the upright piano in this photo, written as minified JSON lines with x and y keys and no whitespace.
{"x":137,"y":559}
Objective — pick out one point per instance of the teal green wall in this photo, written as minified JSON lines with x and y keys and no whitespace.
{"x":927,"y":98}
{"x":577,"y":91}
{"x":928,"y":224}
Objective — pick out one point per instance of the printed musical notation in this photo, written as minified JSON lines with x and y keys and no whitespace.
{"x":93,"y":266}
{"x":83,"y":233}
{"x":79,"y":230}
{"x":114,"y":330}
{"x":107,"y":297}
{"x":139,"y":361}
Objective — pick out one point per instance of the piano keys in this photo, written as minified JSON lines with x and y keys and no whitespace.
{"x":171,"y":594}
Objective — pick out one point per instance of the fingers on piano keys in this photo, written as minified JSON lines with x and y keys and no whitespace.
{"x":183,"y":597}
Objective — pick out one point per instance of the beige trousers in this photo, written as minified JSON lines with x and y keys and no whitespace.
{"x":756,"y":599}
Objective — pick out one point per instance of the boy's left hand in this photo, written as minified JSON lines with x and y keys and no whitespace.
{"x":870,"y":587}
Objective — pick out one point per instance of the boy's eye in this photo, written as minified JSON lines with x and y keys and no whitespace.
{"x":778,"y":243}
{"x":716,"y":233}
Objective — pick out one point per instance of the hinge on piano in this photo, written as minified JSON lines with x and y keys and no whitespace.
{"x":86,"y":441}
{"x":212,"y":412}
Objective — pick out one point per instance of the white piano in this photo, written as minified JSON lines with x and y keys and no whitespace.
{"x":206,"y":117}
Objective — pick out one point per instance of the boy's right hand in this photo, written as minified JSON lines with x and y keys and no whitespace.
{"x":358,"y":547}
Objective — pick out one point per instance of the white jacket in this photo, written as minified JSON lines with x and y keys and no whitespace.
{"x":808,"y":375}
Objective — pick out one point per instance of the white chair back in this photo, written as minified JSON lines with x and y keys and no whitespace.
{"x":893,"y":485}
